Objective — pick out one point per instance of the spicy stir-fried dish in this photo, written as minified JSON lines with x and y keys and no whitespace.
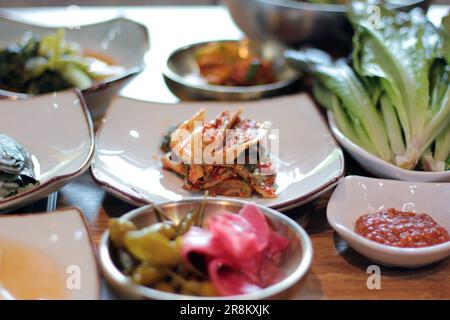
{"x":232,"y":64}
{"x":226,"y":156}
{"x":231,"y":254}
{"x":50,"y":63}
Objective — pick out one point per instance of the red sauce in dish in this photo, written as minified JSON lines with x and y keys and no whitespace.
{"x":401,"y":229}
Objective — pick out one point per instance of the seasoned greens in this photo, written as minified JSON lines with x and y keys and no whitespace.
{"x":16,"y":168}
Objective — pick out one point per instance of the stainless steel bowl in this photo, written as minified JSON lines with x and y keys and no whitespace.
{"x":182,"y":74}
{"x":294,"y":22}
{"x":296,"y":261}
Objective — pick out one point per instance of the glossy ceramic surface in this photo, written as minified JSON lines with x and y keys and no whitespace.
{"x":379,"y":167}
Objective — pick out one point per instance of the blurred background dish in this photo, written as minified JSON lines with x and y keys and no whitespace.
{"x":183,"y":74}
{"x":40,"y":252}
{"x":380,"y":168}
{"x":127,"y":161}
{"x":121,"y":41}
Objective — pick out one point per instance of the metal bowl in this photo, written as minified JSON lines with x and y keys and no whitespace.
{"x":296,"y":260}
{"x":183,"y":77}
{"x":294,"y":22}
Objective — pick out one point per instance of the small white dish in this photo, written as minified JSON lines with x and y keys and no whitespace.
{"x":356,"y":196}
{"x":127,"y":159}
{"x":379,"y":167}
{"x":57,"y":132}
{"x":62,"y":243}
{"x":122,"y":40}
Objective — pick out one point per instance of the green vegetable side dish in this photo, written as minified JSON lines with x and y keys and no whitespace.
{"x":39,"y":65}
{"x":393,"y":98}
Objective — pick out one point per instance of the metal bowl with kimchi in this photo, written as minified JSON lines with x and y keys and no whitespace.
{"x":229,"y":70}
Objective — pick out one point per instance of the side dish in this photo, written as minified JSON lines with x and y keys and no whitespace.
{"x":232,"y":64}
{"x":231,"y":254}
{"x":324,"y":1}
{"x":225,"y":156}
{"x":16,"y":168}
{"x":50,"y":63}
{"x":28,"y":273}
{"x":393,"y":98}
{"x":401,"y":229}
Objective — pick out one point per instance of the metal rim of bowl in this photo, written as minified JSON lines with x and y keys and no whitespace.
{"x":172,"y":75}
{"x":113,"y":274}
{"x":329,"y":7}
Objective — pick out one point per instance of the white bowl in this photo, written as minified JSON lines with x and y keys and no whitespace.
{"x":379,"y":167}
{"x":127,"y":158}
{"x":62,"y":237}
{"x":56,"y":130}
{"x":294,"y":264}
{"x":356,"y":196}
{"x":123,"y":40}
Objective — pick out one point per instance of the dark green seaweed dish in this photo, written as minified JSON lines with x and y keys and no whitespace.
{"x":16,"y":168}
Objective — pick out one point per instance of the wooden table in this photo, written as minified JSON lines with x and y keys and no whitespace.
{"x":337,"y":271}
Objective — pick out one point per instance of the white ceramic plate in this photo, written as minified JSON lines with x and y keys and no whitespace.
{"x":122,"y":40}
{"x":379,"y":167}
{"x":127,"y":160}
{"x":63,"y":239}
{"x":356,"y":196}
{"x":56,"y":130}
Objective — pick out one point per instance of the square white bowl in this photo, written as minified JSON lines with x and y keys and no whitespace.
{"x":56,"y":130}
{"x":356,"y":196}
{"x":63,"y":237}
{"x":127,"y":159}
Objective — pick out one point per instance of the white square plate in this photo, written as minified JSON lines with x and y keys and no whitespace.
{"x":356,"y":196}
{"x":56,"y":130}
{"x":127,"y":158}
{"x":62,"y":243}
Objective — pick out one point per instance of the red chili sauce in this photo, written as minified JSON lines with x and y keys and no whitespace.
{"x":401,"y":229}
